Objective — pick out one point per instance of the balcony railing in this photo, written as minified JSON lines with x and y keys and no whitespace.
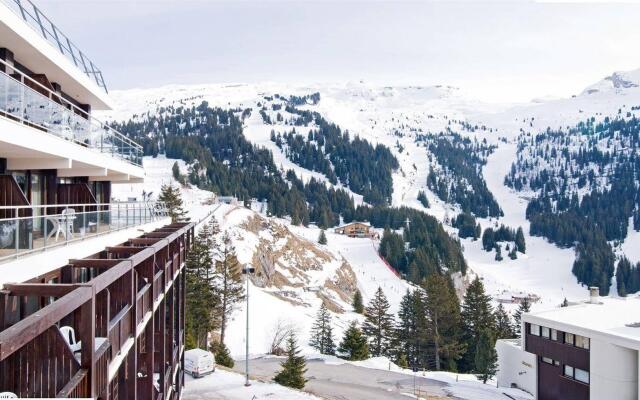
{"x":25,"y":100}
{"x":26,"y":10}
{"x":27,"y":229}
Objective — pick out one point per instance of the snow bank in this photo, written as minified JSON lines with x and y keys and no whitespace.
{"x":225,"y":385}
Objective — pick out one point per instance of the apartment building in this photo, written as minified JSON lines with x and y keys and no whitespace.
{"x":587,"y":350}
{"x":92,"y":290}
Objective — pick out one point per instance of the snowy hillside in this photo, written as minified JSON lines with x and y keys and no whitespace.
{"x":294,"y":275}
{"x":395,"y":116}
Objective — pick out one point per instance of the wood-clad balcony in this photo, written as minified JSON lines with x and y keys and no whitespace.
{"x":125,"y":304}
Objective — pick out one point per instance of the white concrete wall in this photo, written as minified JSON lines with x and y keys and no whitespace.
{"x":516,"y":367}
{"x":20,"y":142}
{"x":614,"y":371}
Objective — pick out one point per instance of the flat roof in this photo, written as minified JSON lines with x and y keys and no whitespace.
{"x":612,"y":317}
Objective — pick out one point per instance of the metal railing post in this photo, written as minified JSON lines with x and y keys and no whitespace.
{"x":17,"y":235}
{"x":84,"y":221}
{"x":44,"y":228}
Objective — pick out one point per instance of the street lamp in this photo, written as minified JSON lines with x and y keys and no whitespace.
{"x":247,"y":270}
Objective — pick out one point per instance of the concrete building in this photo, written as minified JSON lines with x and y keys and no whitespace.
{"x":92,"y":296}
{"x":589,"y":350}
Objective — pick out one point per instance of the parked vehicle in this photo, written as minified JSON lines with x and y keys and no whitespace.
{"x":198,"y":362}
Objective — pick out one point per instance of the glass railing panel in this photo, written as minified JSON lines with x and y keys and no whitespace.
{"x":40,"y":111}
{"x":33,"y":17}
{"x":50,"y":226}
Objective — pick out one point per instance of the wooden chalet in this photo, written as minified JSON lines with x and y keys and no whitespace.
{"x":356,"y":229}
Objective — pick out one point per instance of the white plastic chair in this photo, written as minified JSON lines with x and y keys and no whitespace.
{"x":65,"y":223}
{"x":70,"y":337}
{"x":8,"y":395}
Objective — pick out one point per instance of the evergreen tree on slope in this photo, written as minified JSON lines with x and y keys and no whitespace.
{"x":227,"y":283}
{"x":354,"y":345}
{"x":200,"y":296}
{"x":524,"y":307}
{"x":504,"y":328}
{"x":486,"y":358}
{"x":293,"y":368}
{"x":443,"y":312}
{"x":477,"y":315}
{"x":321,"y":332}
{"x":378,"y":324}
{"x":358,"y":305}
{"x":171,"y":198}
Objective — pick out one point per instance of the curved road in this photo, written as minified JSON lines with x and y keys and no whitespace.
{"x":349,"y":382}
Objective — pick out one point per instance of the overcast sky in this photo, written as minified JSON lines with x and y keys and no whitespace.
{"x":498,"y":51}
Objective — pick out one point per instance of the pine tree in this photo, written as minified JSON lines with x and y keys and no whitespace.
{"x":176,"y":171}
{"x":498,"y":252}
{"x":504,"y":328}
{"x":171,"y":198}
{"x":227,"y":283}
{"x":402,"y":361}
{"x":378,"y":324}
{"x":513,"y":254}
{"x":223,"y":357}
{"x":322,"y":239}
{"x":407,"y":328}
{"x":524,"y":307}
{"x":321,"y":332}
{"x":358,"y":305}
{"x":443,"y":313}
{"x":200,"y":296}
{"x":477,"y":315}
{"x":293,"y":368}
{"x":520,"y":244}
{"x":354,"y":345}
{"x":486,"y":358}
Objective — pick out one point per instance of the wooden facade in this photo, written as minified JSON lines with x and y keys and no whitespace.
{"x":125,"y":305}
{"x":552,"y":384}
{"x":356,"y":229}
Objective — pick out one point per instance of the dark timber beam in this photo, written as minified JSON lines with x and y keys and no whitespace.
{"x":95,"y":262}
{"x":143,"y":241}
{"x":22,"y":332}
{"x":39,"y":289}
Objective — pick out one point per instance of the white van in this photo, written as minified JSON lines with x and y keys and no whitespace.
{"x":198,"y":362}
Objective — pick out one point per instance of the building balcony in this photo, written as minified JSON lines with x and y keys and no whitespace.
{"x":104,"y":326}
{"x":28,"y":229}
{"x":42,"y":26}
{"x":27,"y":101}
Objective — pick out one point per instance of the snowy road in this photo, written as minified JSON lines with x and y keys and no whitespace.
{"x":346,"y":381}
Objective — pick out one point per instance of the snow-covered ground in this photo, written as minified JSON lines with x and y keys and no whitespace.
{"x":267,"y":307}
{"x":394,"y":116}
{"x":462,"y":386}
{"x":225,"y":385}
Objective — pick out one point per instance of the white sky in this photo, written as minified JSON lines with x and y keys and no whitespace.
{"x":498,"y":51}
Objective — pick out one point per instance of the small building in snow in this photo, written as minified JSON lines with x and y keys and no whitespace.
{"x":356,"y":229}
{"x":228,"y":200}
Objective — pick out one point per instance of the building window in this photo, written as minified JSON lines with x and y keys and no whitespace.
{"x":547,"y":360}
{"x":582,"y":342}
{"x":568,"y":371}
{"x":534,"y":329}
{"x":578,"y":374}
{"x":568,"y":338}
{"x":581,"y":375}
{"x":544,"y":332}
{"x":554,"y":335}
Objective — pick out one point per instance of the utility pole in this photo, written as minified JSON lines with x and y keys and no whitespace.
{"x":248,"y":269}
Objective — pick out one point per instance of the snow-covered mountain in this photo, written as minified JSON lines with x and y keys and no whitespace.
{"x":396,"y":117}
